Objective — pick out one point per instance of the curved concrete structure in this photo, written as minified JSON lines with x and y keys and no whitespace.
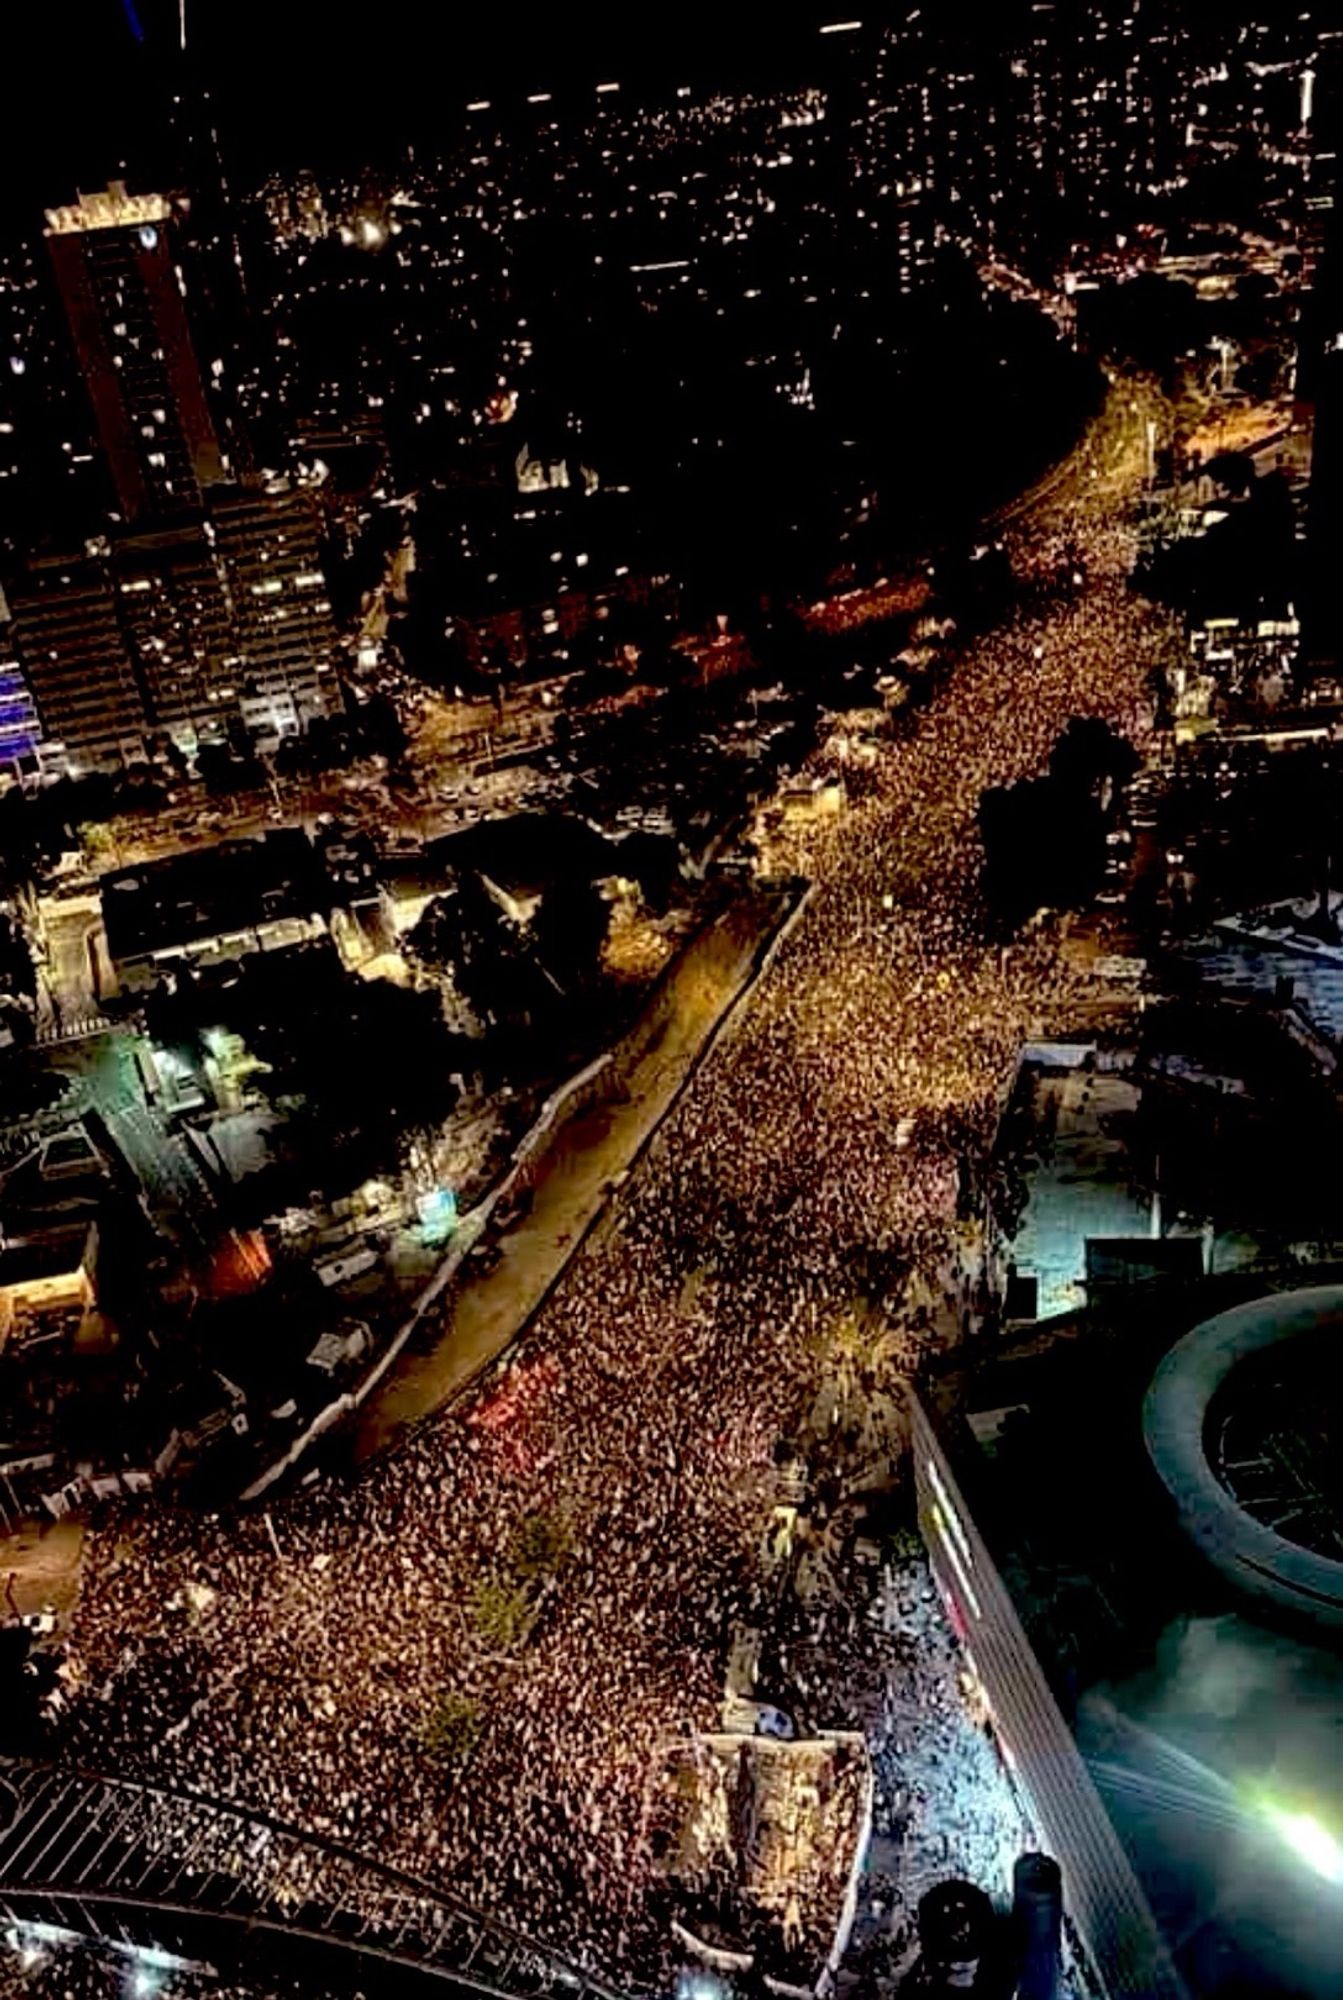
{"x":1175,"y":1415}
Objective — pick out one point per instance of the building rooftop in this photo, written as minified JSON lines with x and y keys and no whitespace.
{"x":1178,"y":1150}
{"x":233,"y":887}
{"x":1253,"y":962}
{"x":62,"y":1180}
{"x":109,"y":208}
{"x":1154,"y":1483}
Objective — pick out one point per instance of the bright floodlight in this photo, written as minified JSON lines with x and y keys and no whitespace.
{"x":695,"y":1985}
{"x":1314,"y":1843}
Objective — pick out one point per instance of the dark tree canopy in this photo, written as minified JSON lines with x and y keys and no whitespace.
{"x":359,"y":1066}
{"x":568,"y":932}
{"x":1043,"y":847}
{"x":1233,"y":470}
{"x":28,"y":1086}
{"x":1088,"y":753}
{"x":223,"y":772}
{"x":467,"y":933}
{"x":1149,"y":319}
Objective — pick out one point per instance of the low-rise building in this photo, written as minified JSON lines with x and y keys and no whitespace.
{"x":539,"y":627}
{"x":362,"y":916}
{"x":223,"y":902}
{"x":49,"y":1271}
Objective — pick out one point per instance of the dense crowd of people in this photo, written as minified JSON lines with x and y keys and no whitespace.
{"x":36,"y":1965}
{"x":813,"y":1162}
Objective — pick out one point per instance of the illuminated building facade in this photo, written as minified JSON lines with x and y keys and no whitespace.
{"x":77,"y":661}
{"x":177,"y":619}
{"x":1320,"y":386}
{"x":269,"y":553}
{"x":1101,"y":1892}
{"x":20,"y":727}
{"x":194,"y":632}
{"x":123,"y":295}
{"x":20,"y":730}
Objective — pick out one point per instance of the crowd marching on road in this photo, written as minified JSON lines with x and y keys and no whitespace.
{"x":814,"y":1159}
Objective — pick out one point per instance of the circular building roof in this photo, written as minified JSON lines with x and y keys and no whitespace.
{"x":1241,"y":1421}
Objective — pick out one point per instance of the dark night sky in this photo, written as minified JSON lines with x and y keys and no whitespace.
{"x":333,"y":79}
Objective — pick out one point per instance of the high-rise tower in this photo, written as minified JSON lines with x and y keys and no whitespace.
{"x":1320,"y":385}
{"x":123,"y":296}
{"x":77,"y":664}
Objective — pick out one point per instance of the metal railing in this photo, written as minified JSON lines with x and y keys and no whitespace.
{"x":108,"y":1857}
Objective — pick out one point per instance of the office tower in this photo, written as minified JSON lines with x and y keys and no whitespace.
{"x":178,"y":622}
{"x":77,"y":663}
{"x":1320,"y":382}
{"x":20,"y":729}
{"x":269,"y":547}
{"x":188,"y":632}
{"x":905,"y":179}
{"x":1322,"y":625}
{"x":123,"y":295}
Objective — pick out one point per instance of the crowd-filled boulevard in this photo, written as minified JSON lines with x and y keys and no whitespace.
{"x":643,"y":1412}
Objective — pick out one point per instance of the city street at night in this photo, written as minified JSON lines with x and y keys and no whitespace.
{"x":646,"y":1424}
{"x":671,"y":799}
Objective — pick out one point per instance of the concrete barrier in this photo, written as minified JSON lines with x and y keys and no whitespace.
{"x":586,"y":1087}
{"x":467,"y":1234}
{"x":774,"y":944}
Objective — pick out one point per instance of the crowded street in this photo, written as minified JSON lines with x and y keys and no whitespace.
{"x":812,"y":1168}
